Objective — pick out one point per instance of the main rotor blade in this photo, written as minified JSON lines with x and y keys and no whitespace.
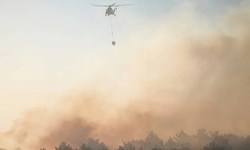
{"x":103,"y":5}
{"x":112,"y":5}
{"x":100,"y":5}
{"x":122,"y":5}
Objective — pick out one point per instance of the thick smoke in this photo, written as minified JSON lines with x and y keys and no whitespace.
{"x":183,"y":81}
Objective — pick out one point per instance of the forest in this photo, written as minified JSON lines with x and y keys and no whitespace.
{"x":202,"y":140}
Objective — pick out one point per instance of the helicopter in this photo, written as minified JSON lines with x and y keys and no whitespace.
{"x":110,"y":10}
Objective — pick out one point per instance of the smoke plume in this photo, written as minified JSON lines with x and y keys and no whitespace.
{"x":165,"y":82}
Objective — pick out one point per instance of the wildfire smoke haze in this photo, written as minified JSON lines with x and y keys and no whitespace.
{"x":185,"y":74}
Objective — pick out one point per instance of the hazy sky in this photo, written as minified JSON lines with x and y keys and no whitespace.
{"x":177,"y":64}
{"x":45,"y":44}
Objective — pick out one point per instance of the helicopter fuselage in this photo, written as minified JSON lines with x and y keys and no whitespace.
{"x":110,"y":11}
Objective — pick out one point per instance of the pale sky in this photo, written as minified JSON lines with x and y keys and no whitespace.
{"x":44,"y":44}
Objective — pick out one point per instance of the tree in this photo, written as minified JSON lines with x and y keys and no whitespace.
{"x":64,"y":146}
{"x":120,"y":148}
{"x":201,"y":138}
{"x":171,"y":143}
{"x":234,"y":140}
{"x":153,"y":141}
{"x":183,"y":139}
{"x":213,"y":146}
{"x":129,"y":147}
{"x":219,"y":139}
{"x":96,"y":145}
{"x":84,"y":147}
{"x":138,"y":144}
{"x":245,"y":145}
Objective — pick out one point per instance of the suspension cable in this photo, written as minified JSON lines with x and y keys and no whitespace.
{"x":113,"y":41}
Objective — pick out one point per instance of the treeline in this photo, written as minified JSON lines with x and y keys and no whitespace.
{"x":202,"y":140}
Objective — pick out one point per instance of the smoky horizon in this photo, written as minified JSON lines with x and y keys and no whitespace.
{"x":177,"y":72}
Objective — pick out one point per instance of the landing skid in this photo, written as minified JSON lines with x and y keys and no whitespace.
{"x":110,"y":14}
